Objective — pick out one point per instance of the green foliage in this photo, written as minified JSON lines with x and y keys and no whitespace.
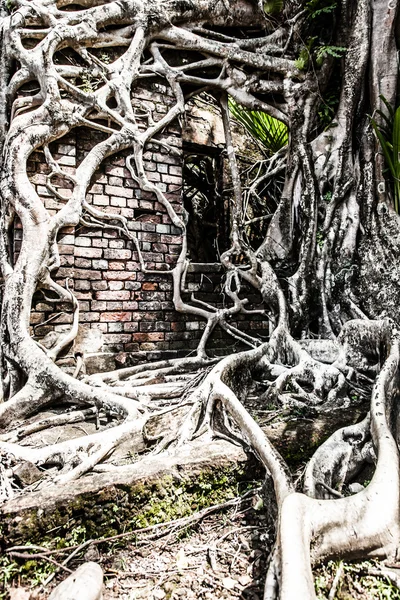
{"x":273,"y":7}
{"x":319,"y":53}
{"x":327,"y":110}
{"x":77,"y":535}
{"x":388,"y":134}
{"x":89,"y":82}
{"x":318,"y":8}
{"x":355,"y":582}
{"x":34,"y":572}
{"x":9,"y":5}
{"x":105,"y":58}
{"x":272,"y":133}
{"x":323,"y":51}
{"x":303,"y":60}
{"x":8,"y":570}
{"x":320,"y":239}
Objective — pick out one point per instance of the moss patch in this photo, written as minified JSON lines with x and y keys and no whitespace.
{"x":114,"y":510}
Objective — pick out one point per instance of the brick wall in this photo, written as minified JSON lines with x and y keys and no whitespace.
{"x":133,"y":310}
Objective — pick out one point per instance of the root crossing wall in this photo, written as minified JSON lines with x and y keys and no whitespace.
{"x":133,"y":310}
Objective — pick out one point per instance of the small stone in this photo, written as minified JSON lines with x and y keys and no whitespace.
{"x":355,"y":488}
{"x":92,"y":554}
{"x":159,"y":594}
{"x":181,"y":560}
{"x":27,"y":473}
{"x":245,"y":580}
{"x":229,"y":583}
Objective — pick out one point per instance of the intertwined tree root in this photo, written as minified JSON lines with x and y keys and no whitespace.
{"x":332,"y":221}
{"x":313,"y":525}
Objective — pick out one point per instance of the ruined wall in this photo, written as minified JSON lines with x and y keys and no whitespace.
{"x":133,"y":310}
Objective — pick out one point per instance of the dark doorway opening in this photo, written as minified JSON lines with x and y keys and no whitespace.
{"x":208,"y":224}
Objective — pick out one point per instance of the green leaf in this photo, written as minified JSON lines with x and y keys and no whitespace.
{"x":273,"y":7}
{"x":385,"y":146}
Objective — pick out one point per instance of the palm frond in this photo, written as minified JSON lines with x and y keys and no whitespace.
{"x":272,"y":133}
{"x":388,"y":134}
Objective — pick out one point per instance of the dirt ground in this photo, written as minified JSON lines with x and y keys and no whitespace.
{"x":224,"y":556}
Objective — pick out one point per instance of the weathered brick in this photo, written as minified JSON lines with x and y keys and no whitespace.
{"x":89,"y":317}
{"x":118,"y":202}
{"x":99,"y":306}
{"x":131,"y":285}
{"x":83,"y":241}
{"x":149,"y":306}
{"x":116,"y":171}
{"x":117,"y":253}
{"x":115,"y":316}
{"x":116,"y":285}
{"x":117,"y":338}
{"x":64,"y":249}
{"x":83,"y":263}
{"x":100,"y":265}
{"x":121,"y":192}
{"x":82,"y":285}
{"x":88,"y":252}
{"x":163,"y":228}
{"x":147,"y":286}
{"x":99,"y":285}
{"x":67,"y":160}
{"x":116,"y":244}
{"x":115,"y":327}
{"x":129,"y":305}
{"x":118,"y":181}
{"x":85,"y":274}
{"x":133,"y":326}
{"x":100,"y":200}
{"x":67,"y":260}
{"x":162,"y":248}
{"x":118,"y":275}
{"x":148,"y":337}
{"x":114,"y":306}
{"x":113,"y":295}
{"x":174,"y":170}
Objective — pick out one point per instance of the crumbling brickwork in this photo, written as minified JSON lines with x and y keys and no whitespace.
{"x":133,"y":310}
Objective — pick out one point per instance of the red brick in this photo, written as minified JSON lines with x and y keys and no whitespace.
{"x":148,"y":337}
{"x":64,"y":249}
{"x":115,"y":316}
{"x":150,"y":286}
{"x":119,"y":275}
{"x":83,"y":263}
